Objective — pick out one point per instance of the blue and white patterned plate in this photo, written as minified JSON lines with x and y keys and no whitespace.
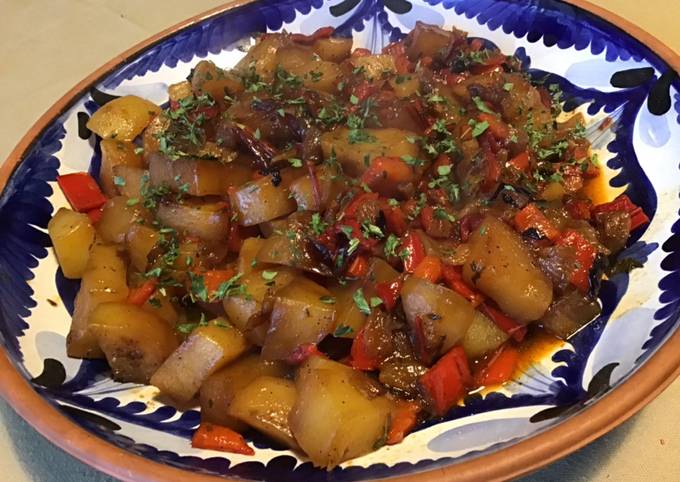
{"x":630,"y":96}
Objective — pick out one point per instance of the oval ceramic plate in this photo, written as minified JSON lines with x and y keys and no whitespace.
{"x":625,"y":84}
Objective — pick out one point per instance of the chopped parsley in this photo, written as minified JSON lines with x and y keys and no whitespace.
{"x":361,"y":302}
{"x":391,"y":244}
{"x":342,"y":330}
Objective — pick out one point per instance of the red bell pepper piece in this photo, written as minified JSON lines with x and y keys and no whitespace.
{"x":416,"y":251}
{"x":445,"y":382}
{"x":395,"y":219}
{"x":212,"y":280}
{"x":623,"y":203}
{"x":453,"y":277}
{"x":95,"y":215}
{"x":430,"y":269}
{"x":404,"y":418}
{"x":141,"y":294}
{"x":492,"y":173}
{"x":392,"y":170}
{"x":532,"y":217}
{"x":358,"y":201}
{"x":585,"y":256}
{"x":516,"y":330}
{"x":360,"y":358}
{"x":500,"y":368}
{"x":520,"y":161}
{"x":215,"y":437}
{"x":497,"y":127}
{"x":361,"y":52}
{"x":81,"y":191}
{"x":389,"y":292}
{"x":579,"y":208}
{"x":302,"y":353}
{"x":358,"y":267}
{"x":323,"y":32}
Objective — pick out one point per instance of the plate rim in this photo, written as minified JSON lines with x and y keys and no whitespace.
{"x":521,"y":458}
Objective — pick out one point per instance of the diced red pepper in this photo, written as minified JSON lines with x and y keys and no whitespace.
{"x":579,"y":208}
{"x":624,"y":204}
{"x":213,"y":279}
{"x":404,"y":418}
{"x":95,"y":215}
{"x":323,"y":32}
{"x":415,"y":248}
{"x":497,"y":127}
{"x":360,"y":358}
{"x":516,"y":330}
{"x":430,"y":269}
{"x":493,"y":63}
{"x":500,"y":368}
{"x":468,"y":224}
{"x":520,"y":161}
{"x":453,"y":277}
{"x":585,"y":256}
{"x":358,"y":267}
{"x":476,"y":44}
{"x":358,"y":201}
{"x":395,"y":219}
{"x":81,"y":191}
{"x":141,"y":294}
{"x":364,"y":90}
{"x":492,"y":173}
{"x":389,"y":292}
{"x":385,"y":173}
{"x":445,"y":382}
{"x":532,"y":217}
{"x":215,"y":437}
{"x":361,"y":52}
{"x":302,"y":353}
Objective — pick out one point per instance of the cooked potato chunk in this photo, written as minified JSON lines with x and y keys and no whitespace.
{"x":207,"y":220}
{"x":240,"y":309}
{"x":333,"y":420}
{"x":104,"y":280}
{"x":262,"y":56}
{"x":246,"y":257}
{"x":375,"y":65}
{"x":116,"y":153}
{"x":140,"y":240}
{"x":265,"y":404}
{"x":333,"y":49}
{"x":131,"y":180}
{"x":259,"y":201}
{"x":482,"y":337}
{"x":134,"y":341}
{"x":448,"y":313}
{"x":118,"y":216}
{"x":72,"y":236}
{"x":206,"y":350}
{"x":123,"y":118}
{"x":299,"y":316}
{"x":196,"y":177}
{"x":503,"y":270}
{"x":220,"y":388}
{"x":352,"y":155}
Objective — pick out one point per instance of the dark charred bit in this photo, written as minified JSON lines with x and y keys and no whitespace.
{"x":599,"y":268}
{"x":533,"y":234}
{"x":276,"y":177}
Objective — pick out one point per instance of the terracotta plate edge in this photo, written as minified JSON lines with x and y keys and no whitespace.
{"x":521,"y":458}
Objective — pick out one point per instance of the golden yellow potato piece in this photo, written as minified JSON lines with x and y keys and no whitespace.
{"x":205,"y":351}
{"x":72,"y":236}
{"x":123,"y":118}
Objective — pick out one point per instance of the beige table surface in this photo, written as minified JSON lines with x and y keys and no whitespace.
{"x":47,"y":46}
